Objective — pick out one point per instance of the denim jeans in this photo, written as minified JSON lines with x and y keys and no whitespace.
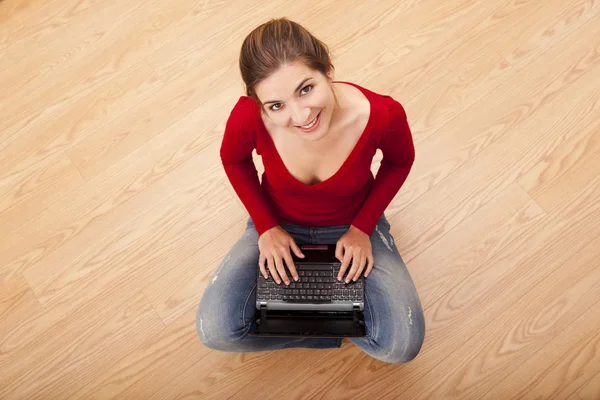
{"x":395,"y":326}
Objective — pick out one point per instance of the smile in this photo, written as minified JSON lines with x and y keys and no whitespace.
{"x":312,"y":125}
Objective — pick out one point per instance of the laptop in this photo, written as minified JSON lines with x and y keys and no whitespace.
{"x":317,"y":305}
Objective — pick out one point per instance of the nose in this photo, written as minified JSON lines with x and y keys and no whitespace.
{"x":300,"y":115}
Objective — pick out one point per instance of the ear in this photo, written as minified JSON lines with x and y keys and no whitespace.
{"x":330,"y":74}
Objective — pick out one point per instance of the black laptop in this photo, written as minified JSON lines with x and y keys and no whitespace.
{"x":317,"y":305}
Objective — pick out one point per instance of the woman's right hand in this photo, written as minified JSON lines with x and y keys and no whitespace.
{"x":274,"y":246}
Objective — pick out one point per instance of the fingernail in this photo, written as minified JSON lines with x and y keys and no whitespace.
{"x":295,"y":278}
{"x":278,"y":281}
{"x":347,"y":280}
{"x":355,"y":279}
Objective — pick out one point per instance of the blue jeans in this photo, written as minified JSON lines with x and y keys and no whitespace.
{"x":395,"y":325}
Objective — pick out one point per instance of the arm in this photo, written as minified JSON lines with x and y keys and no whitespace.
{"x":398,"y":156}
{"x":236,"y":156}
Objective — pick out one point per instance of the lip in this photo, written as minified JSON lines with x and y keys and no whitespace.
{"x":314,"y":127}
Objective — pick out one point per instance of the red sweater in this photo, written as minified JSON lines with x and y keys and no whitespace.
{"x":351,"y":196}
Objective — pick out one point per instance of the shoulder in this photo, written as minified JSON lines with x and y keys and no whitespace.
{"x":243,"y":119}
{"x":244,"y":113}
{"x":241,"y":128}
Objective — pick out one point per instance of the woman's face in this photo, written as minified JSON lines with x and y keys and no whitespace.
{"x":299,"y":100}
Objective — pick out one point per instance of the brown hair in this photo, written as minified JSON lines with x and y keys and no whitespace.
{"x":276,"y":43}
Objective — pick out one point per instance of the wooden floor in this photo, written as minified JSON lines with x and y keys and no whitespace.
{"x":115,"y":210}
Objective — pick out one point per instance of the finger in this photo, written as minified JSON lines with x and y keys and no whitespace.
{"x":261,"y":265}
{"x":345,"y":263}
{"x":338,"y":250}
{"x":272,"y":269}
{"x":290,"y":264}
{"x":281,"y":269}
{"x":296,"y":249}
{"x":361,"y":267}
{"x":356,"y":256}
{"x":370,"y":266}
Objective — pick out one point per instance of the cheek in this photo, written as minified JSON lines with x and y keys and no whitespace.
{"x":280,"y":119}
{"x":323,"y":100}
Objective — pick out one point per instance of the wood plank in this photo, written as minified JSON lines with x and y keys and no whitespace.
{"x":138,"y":250}
{"x":308,"y":371}
{"x":472,"y":243}
{"x":461,"y":32}
{"x":93,"y":208}
{"x":39,"y":19}
{"x":591,"y":390}
{"x":574,"y":396}
{"x":565,"y":170}
{"x":543,"y":30}
{"x":570,"y":358}
{"x":468,"y":67}
{"x":115,"y":47}
{"x":340,"y":36}
{"x":520,"y":335}
{"x":181,"y":288}
{"x":16,"y":302}
{"x":223,"y":373}
{"x":494,"y":116}
{"x":419,"y":225}
{"x":64,"y":354}
{"x":222,"y":31}
{"x":174,"y":104}
{"x":42,"y":77}
{"x":26,"y":193}
{"x":375,"y":58}
{"x":156,"y":362}
{"x":21,"y":155}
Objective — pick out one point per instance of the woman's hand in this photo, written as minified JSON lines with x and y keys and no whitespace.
{"x":274,"y":246}
{"x":355,"y":245}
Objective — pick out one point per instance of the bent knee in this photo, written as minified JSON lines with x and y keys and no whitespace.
{"x":407,"y":350}
{"x":215,"y":330}
{"x":406,"y":347}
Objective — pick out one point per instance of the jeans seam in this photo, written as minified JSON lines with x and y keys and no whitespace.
{"x":243,"y":313}
{"x":370,"y":335}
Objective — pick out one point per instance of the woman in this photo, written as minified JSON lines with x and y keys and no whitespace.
{"x":317,"y":138}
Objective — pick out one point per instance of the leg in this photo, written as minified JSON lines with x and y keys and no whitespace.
{"x":228,"y":305}
{"x":393,"y":312}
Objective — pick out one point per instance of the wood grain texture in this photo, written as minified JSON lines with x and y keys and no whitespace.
{"x":481,"y":177}
{"x":591,"y":390}
{"x":490,"y":119}
{"x":115,"y":210}
{"x":510,"y":337}
{"x":571,"y":357}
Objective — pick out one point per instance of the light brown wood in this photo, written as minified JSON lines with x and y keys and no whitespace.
{"x":591,"y":390}
{"x":115,"y":210}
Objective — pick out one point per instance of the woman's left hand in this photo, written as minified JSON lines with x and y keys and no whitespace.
{"x":354,"y":246}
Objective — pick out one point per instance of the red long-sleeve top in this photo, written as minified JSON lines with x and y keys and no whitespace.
{"x":351,"y":196}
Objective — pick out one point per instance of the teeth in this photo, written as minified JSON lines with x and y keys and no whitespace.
{"x":310,"y":125}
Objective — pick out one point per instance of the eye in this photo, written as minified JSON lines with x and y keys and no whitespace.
{"x":275,"y":107}
{"x":306,"y":89}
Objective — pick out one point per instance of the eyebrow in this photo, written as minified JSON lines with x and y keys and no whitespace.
{"x":297,"y":88}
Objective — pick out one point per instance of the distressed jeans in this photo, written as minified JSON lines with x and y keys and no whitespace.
{"x":394,"y":321}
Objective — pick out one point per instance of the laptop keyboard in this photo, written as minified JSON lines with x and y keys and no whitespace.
{"x":316,"y":284}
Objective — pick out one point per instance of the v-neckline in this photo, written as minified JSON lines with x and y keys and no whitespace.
{"x":352,"y":154}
